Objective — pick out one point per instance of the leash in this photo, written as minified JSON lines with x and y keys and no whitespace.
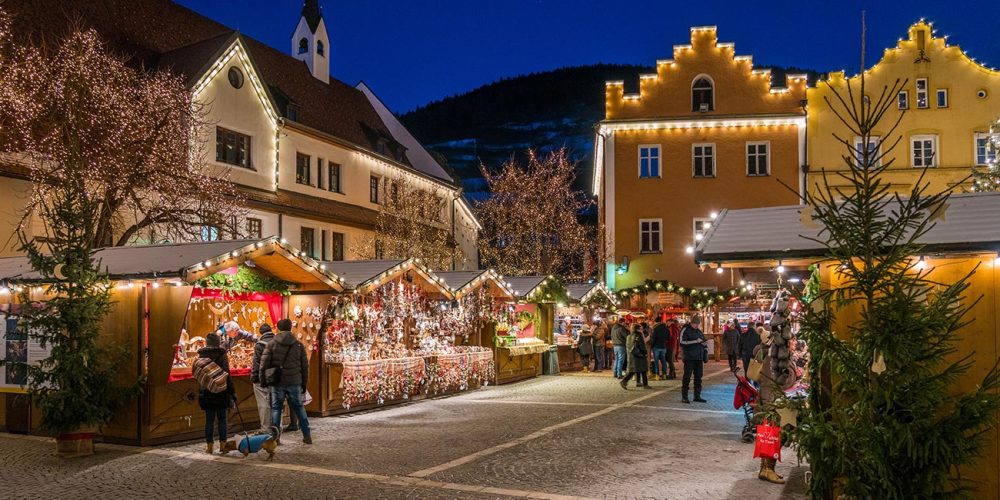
{"x":242,"y":423}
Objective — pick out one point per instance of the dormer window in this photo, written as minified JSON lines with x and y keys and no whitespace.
{"x":702,"y":95}
{"x":319,"y":47}
{"x":380,"y":147}
{"x":303,"y":46}
{"x":292,"y":112}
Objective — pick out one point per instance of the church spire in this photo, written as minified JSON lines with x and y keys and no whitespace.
{"x":312,"y":13}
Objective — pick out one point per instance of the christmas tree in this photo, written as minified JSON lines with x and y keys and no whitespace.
{"x":987,"y":177}
{"x":885,"y":417}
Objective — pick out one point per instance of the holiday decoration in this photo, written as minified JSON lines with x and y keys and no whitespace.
{"x":530,"y":224}
{"x":245,"y":280}
{"x":461,"y":370}
{"x":987,"y":177}
{"x":378,"y":381}
{"x":700,"y":298}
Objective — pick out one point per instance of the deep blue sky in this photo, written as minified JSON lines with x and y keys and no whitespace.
{"x":415,"y":51}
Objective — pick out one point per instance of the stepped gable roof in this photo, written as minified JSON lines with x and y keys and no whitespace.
{"x":162,"y":34}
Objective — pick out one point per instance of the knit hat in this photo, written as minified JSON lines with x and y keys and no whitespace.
{"x":213,"y":340}
{"x":265,"y":328}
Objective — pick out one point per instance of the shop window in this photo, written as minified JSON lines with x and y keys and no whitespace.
{"x":303,"y":45}
{"x":319,"y":173}
{"x":758,"y":158}
{"x":922,"y":93}
{"x":303,"y":164}
{"x":985,"y":155}
{"x":232,"y":148}
{"x":649,"y":161}
{"x":702,"y":94}
{"x":333,"y":177}
{"x":210,"y":233}
{"x":337,"y":247}
{"x":650,"y":236}
{"x":923,"y":150}
{"x":873,"y":152}
{"x":703,"y":160}
{"x":942,"y":98}
{"x":307,"y":241}
{"x":701,"y":226}
{"x":903,"y":100}
{"x":254,"y":228}
{"x":373,"y":191}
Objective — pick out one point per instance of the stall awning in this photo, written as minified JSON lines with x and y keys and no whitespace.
{"x":363,"y":276}
{"x":966,"y":223}
{"x":585,"y":292}
{"x":523,"y":286}
{"x":189,"y":262}
{"x":461,"y":283}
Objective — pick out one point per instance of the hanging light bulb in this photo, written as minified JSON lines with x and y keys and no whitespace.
{"x":780,"y":269}
{"x":921,"y":264}
{"x":689,"y":249}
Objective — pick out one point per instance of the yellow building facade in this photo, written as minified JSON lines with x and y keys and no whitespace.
{"x":945,"y":107}
{"x":705,"y":132}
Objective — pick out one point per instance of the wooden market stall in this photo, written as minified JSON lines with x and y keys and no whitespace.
{"x":397,"y":334}
{"x":166,"y":298}
{"x":587,"y":302}
{"x":533,"y":325}
{"x":965,"y":237}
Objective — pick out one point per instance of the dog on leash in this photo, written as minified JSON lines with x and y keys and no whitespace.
{"x":227,"y":446}
{"x":260,"y":442}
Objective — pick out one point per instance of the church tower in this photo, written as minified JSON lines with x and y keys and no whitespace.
{"x":310,"y":42}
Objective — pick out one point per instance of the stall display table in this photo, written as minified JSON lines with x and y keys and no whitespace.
{"x":518,"y":363}
{"x":569,"y":359}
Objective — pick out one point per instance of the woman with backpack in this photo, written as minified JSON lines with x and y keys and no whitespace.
{"x":217,"y":394}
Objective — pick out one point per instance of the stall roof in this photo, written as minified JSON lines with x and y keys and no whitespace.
{"x":582,"y":292}
{"x":462,"y":282}
{"x":967,"y":223}
{"x":524,"y":285}
{"x":192,"y":261}
{"x":365,"y":275}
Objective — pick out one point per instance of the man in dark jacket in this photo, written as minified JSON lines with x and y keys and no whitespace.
{"x":286,"y":358}
{"x":748,"y":341}
{"x":661,"y":339}
{"x":731,"y":342}
{"x":693,"y":345}
{"x":261,"y":393}
{"x":618,"y":335}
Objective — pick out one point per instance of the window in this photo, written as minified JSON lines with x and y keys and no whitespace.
{"x":942,"y":98}
{"x":984,"y":154}
{"x":337,"y":248}
{"x":378,"y":249}
{"x":701,"y":226}
{"x":303,"y":164}
{"x":235,"y":77}
{"x":319,"y":173}
{"x":758,"y":160}
{"x":210,"y":233}
{"x":903,"y":100}
{"x":394,"y":192}
{"x":292,"y":112}
{"x":323,"y":238}
{"x":922,"y":93}
{"x":649,"y":161}
{"x":333,"y":177}
{"x":319,"y":47}
{"x":380,"y":147}
{"x":873,"y":149}
{"x":923,"y":150}
{"x":307,"y":241}
{"x":232,"y":148}
{"x":303,"y":46}
{"x":702,"y":94}
{"x":703,"y":159}
{"x":254,"y":228}
{"x":650,"y":236}
{"x":373,"y":194}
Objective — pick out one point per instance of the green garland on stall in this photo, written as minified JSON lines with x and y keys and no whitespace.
{"x":551,"y":290}
{"x":703,"y":298}
{"x":812,"y":288}
{"x":245,"y":280}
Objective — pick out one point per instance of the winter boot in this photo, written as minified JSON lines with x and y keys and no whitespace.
{"x":767,"y":472}
{"x":209,"y":448}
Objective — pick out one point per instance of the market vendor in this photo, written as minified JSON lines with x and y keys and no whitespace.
{"x":231,"y":332}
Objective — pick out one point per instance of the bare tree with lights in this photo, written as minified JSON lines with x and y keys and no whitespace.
{"x":411,"y":223}
{"x":73,"y":111}
{"x":987,"y":177}
{"x":530,"y":222}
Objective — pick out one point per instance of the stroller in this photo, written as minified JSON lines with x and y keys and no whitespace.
{"x":745,"y":399}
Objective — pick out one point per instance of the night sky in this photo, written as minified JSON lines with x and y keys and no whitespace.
{"x":415,"y":51}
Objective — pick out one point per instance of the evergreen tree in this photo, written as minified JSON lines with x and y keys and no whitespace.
{"x":987,"y":178}
{"x":884,"y":417}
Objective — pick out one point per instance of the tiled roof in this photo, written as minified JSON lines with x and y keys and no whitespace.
{"x":160,"y":33}
{"x":357,"y":273}
{"x":522,"y":285}
{"x":969,"y":222}
{"x":303,"y":205}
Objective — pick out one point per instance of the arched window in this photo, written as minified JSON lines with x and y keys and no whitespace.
{"x":303,"y":46}
{"x":319,"y":47}
{"x":702,"y":94}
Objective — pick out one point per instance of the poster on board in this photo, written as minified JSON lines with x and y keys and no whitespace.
{"x":17,"y":347}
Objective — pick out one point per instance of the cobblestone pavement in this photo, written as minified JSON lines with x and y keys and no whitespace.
{"x":571,"y":436}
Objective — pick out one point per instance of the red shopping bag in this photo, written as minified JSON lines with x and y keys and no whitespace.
{"x":768,"y":444}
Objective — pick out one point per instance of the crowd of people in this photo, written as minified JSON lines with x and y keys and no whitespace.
{"x":279,"y":374}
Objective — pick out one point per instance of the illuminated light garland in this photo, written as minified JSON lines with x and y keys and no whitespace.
{"x":705,"y":297}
